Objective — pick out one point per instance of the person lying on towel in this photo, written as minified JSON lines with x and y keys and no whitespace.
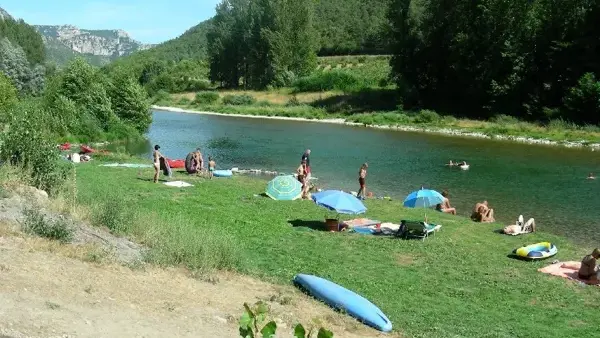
{"x":519,"y":227}
{"x":588,"y":270}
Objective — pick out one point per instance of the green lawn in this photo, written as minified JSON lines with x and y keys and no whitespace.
{"x":459,"y":283}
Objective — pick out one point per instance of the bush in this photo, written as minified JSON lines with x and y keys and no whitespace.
{"x":239,"y":100}
{"x":582,"y":102}
{"x":334,"y":80}
{"x":293,"y":102}
{"x":37,"y":224}
{"x":427,"y":116}
{"x":504,"y":119}
{"x":184,"y":101}
{"x":112,"y":214}
{"x":28,"y":145}
{"x":206,"y":97}
{"x":161,"y":97}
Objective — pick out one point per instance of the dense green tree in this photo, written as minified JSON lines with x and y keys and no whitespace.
{"x":479,"y":58}
{"x":259,"y":41}
{"x":130,"y":102}
{"x":8,"y":95}
{"x":25,"y":36}
{"x":14,"y":64}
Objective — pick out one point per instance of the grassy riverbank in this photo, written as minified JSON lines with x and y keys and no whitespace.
{"x":373,"y":107}
{"x":453,"y":284}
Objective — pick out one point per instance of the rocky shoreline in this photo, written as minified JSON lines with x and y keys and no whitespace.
{"x":431,"y":130}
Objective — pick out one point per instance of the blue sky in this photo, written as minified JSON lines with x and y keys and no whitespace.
{"x":149,"y":21}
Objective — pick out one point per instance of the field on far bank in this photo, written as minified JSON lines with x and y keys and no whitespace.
{"x":454,"y":284}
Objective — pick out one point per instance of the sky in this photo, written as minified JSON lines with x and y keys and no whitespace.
{"x":148,"y":21}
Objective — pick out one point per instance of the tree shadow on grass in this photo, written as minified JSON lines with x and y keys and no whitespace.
{"x":366,"y":100}
{"x":308,"y":225}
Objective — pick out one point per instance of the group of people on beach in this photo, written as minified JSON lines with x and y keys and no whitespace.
{"x":197,"y":162}
{"x":303,"y":174}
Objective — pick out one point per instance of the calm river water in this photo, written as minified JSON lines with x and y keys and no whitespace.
{"x":547,"y":183}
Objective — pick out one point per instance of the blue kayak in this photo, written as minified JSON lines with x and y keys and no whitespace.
{"x":222,"y":173}
{"x":341,"y":298}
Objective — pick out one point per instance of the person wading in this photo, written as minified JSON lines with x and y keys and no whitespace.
{"x":306,"y":158}
{"x":362,"y":177}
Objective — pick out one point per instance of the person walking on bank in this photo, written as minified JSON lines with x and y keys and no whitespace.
{"x":362,"y":176}
{"x":306,"y":158}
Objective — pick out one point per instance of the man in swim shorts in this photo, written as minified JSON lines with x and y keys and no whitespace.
{"x":156,"y":156}
{"x":588,"y":270}
{"x":211,"y":167}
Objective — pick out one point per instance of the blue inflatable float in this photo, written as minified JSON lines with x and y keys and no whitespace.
{"x":222,"y":173}
{"x":343,"y":299}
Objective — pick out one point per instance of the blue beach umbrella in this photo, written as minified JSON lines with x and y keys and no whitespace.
{"x":284,"y":188}
{"x":423,"y":198}
{"x":339,"y":201}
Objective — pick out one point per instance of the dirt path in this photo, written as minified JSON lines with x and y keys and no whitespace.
{"x":45,"y":293}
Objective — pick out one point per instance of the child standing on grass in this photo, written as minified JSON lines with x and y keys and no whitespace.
{"x":211,"y":167}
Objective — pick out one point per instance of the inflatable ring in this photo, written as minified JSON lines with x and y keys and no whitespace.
{"x":540,"y":250}
{"x":189,"y":165}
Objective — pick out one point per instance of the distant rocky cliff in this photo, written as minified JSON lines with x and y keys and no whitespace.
{"x":99,"y":46}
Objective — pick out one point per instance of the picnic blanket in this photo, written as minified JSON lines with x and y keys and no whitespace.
{"x":127,"y":165}
{"x":565,"y":270}
{"x":378,"y":229}
{"x":178,"y":184}
{"x":360,"y":222}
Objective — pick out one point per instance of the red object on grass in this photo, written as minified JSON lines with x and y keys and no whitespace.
{"x":87,"y":149}
{"x":176,"y":164}
{"x":65,"y":146}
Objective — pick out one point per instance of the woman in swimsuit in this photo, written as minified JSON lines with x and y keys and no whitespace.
{"x":445,"y":205}
{"x":211,"y":167}
{"x":302,"y":173}
{"x":362,"y":175}
{"x":156,"y":156}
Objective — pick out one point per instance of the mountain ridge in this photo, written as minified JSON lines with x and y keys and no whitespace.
{"x":99,"y":47}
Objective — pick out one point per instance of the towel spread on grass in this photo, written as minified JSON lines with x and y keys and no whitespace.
{"x":178,"y":184}
{"x":127,"y":165}
{"x":567,"y":270}
{"x":360,"y":222}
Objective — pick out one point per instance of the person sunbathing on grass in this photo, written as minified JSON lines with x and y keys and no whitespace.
{"x":482,"y":213}
{"x":588,"y":270}
{"x":445,"y":205}
{"x":519,"y":227}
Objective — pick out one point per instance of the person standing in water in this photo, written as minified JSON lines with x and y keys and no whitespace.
{"x":156,"y":156}
{"x":211,"y":167}
{"x":301,"y":176}
{"x":362,"y":176}
{"x":591,"y":176}
{"x":306,"y":158}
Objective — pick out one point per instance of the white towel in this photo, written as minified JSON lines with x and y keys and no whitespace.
{"x":178,"y":184}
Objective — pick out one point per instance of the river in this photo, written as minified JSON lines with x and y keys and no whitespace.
{"x":544,"y":182}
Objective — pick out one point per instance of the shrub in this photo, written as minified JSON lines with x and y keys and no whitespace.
{"x":504,"y":119}
{"x":161,"y":97}
{"x":334,"y":80}
{"x":293,"y":102}
{"x":427,"y":116}
{"x":28,"y":145}
{"x":206,"y":97}
{"x":112,"y":214}
{"x":37,"y":224}
{"x":582,"y":102}
{"x":252,"y":321}
{"x":184,"y":101}
{"x":239,"y":100}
